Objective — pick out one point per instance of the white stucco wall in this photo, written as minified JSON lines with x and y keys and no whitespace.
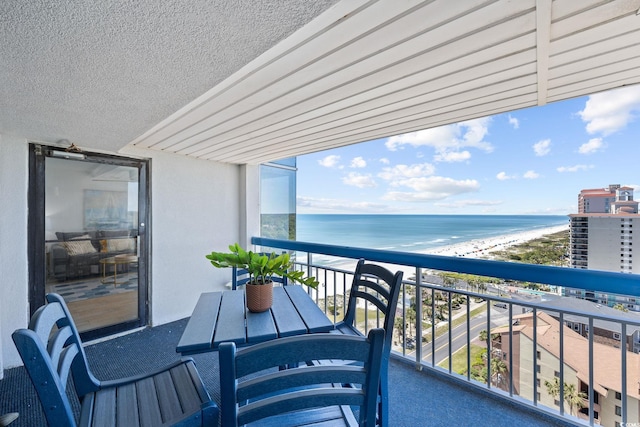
{"x":14,"y":303}
{"x":195,"y":208}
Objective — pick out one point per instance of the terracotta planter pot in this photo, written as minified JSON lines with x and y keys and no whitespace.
{"x":259,"y":297}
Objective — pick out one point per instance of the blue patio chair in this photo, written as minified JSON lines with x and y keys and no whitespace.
{"x":51,"y":349}
{"x":253,"y":390}
{"x":377,"y":288}
{"x":240,"y":276}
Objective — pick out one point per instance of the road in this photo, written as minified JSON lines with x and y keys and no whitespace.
{"x":499,"y":317}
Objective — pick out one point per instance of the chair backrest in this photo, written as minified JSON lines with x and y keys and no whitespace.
{"x":275,"y":392}
{"x":51,"y":349}
{"x":379,"y":287}
{"x":240,"y":276}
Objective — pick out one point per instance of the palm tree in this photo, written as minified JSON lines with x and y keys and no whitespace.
{"x":447,"y":280}
{"x":574,"y":397}
{"x":399,"y":325}
{"x":498,"y":371}
{"x":411,"y":319}
{"x":483,"y":335}
{"x":553,"y":387}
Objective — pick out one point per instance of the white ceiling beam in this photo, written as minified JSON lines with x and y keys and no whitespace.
{"x":543,"y":40}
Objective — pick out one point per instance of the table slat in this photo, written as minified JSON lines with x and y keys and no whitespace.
{"x":260,"y":326}
{"x":231,"y":320}
{"x":198,"y":334}
{"x":313,"y":317}
{"x":287,"y":318}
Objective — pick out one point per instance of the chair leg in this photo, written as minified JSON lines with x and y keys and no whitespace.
{"x":383,"y":405}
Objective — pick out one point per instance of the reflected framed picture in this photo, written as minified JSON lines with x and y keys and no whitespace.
{"x":105,"y":210}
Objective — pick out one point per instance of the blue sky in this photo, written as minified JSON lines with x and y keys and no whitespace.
{"x":530,"y":161}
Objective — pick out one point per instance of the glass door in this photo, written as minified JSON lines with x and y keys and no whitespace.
{"x":94,"y":239}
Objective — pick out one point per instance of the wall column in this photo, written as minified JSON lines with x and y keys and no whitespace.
{"x":249,"y":204}
{"x":14,"y":302}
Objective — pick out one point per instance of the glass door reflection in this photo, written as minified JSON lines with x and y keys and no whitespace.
{"x":91,"y":240}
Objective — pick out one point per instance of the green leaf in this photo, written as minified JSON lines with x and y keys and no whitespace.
{"x":261,"y":268}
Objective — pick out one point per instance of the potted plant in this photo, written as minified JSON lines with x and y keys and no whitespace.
{"x":261,"y":269}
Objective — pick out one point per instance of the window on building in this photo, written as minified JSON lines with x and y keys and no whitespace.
{"x":538,"y":355}
{"x":618,"y":410}
{"x":538,"y":368}
{"x":556,"y":374}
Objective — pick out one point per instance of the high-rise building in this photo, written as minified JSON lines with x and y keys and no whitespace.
{"x":601,"y":238}
{"x":596,"y":199}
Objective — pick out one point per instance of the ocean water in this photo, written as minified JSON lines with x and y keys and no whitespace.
{"x":414,"y":233}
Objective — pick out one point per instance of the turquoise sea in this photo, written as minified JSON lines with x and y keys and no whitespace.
{"x":414,"y":233}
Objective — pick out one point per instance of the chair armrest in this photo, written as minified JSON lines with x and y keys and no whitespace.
{"x":58,"y":251}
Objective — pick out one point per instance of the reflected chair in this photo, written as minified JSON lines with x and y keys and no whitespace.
{"x":51,"y":349}
{"x":240,"y":276}
{"x":254,"y":390}
{"x":375,"y":288}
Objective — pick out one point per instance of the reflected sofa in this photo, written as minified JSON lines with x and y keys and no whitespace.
{"x":77,"y":254}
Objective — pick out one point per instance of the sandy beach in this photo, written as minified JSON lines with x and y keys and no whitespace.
{"x":470,"y":249}
{"x":481,"y":247}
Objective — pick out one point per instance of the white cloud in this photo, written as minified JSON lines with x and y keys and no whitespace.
{"x":338,"y":205}
{"x":466,"y":203}
{"x":329,"y":161}
{"x":542,"y":148}
{"x":404,"y":171}
{"x":448,"y":141}
{"x":575,"y":168}
{"x":502,"y":176}
{"x":384,"y":161}
{"x":514,"y":122}
{"x":608,"y":112}
{"x":531,"y":175}
{"x":431,"y":188}
{"x":452,"y":156}
{"x":592,"y":146}
{"x":358,"y":162}
{"x":359,"y":180}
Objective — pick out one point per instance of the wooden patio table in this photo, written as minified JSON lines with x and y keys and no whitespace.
{"x":223,"y":317}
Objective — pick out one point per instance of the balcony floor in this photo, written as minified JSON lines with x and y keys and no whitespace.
{"x":417,"y":398}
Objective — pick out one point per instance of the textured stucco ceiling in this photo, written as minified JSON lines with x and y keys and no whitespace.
{"x":101,"y":73}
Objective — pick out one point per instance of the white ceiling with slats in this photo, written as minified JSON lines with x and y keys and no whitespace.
{"x":365,"y":69}
{"x":370,"y":69}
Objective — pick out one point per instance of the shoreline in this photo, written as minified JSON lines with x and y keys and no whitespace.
{"x":479,"y":247}
{"x":469,"y":249}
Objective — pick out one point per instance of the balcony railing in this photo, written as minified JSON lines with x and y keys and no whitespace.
{"x":481,"y":327}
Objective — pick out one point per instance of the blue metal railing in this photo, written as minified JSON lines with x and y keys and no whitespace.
{"x":595,"y":280}
{"x":334,"y":301}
